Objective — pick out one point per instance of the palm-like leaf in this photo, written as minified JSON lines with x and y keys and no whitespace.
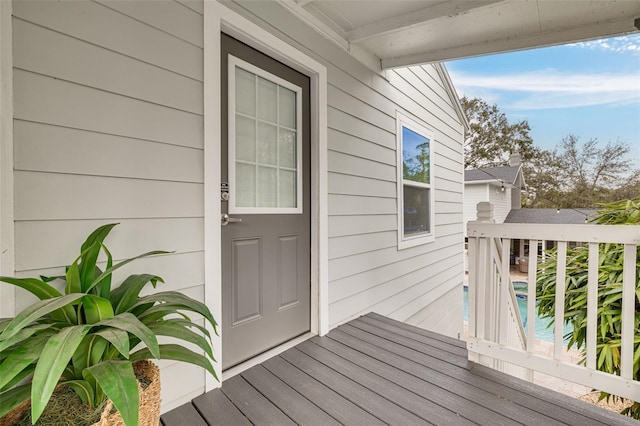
{"x":178,"y":353}
{"x":54,"y":358}
{"x":14,"y":397}
{"x":36,"y":311}
{"x":84,"y":337}
{"x":118,"y":381}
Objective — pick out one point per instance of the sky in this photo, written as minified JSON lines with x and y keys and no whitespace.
{"x":589,"y":89}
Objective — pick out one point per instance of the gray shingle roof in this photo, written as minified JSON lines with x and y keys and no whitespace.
{"x":508,"y":174}
{"x":565,"y":216}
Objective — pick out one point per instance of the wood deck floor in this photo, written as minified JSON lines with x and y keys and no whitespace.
{"x":373,"y":371}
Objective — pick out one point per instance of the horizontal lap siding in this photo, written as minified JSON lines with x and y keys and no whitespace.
{"x":108,"y":127}
{"x":473,"y":194}
{"x":366,"y":270}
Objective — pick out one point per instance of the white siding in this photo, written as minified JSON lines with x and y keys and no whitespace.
{"x":473,"y":194}
{"x":108,"y":119}
{"x":444,"y":315}
{"x":109,"y":128}
{"x":501,"y":203}
{"x":367,"y":272}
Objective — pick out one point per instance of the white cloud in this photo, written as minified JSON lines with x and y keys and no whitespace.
{"x":624,"y":44}
{"x":548,"y":89}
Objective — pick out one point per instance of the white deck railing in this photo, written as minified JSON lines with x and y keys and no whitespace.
{"x":492,"y":340}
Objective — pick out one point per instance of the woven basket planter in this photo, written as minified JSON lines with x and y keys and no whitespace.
{"x":148,"y":412}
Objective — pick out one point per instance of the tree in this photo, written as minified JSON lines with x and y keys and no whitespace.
{"x":609,"y":312}
{"x":576,"y":175}
{"x":492,"y":138}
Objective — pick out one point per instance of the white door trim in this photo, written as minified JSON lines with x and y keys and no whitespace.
{"x":217,"y":18}
{"x":7,"y":229}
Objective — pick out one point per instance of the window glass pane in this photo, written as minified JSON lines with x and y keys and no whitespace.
{"x":416,"y":160}
{"x":267,"y":100}
{"x":267,"y":144}
{"x":287,"y":107}
{"x":287,"y":141}
{"x":245,"y":92}
{"x":246,"y":185}
{"x":267,"y":187}
{"x":416,"y":210}
{"x":245,"y":139}
{"x":288,"y":190}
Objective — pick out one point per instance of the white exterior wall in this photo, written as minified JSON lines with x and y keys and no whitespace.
{"x":473,"y":194}
{"x":367,"y":272}
{"x":501,"y":202}
{"x":108,"y":127}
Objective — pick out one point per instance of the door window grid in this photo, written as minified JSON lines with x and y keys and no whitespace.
{"x":265,"y":178}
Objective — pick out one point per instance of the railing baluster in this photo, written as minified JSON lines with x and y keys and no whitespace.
{"x":489,"y":268}
{"x":531,"y":295}
{"x":592,"y":305}
{"x":505,"y":281}
{"x":561,"y":272}
{"x":472,"y":284}
{"x":628,"y":310}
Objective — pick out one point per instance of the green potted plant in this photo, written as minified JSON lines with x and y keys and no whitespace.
{"x":90,"y":337}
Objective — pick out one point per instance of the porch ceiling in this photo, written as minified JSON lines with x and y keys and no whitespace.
{"x":401,"y":33}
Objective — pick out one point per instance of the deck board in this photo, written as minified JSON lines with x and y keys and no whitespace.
{"x":253,"y":404}
{"x":219,"y":410}
{"x":341,"y":409}
{"x":298,"y":408}
{"x":375,"y":370}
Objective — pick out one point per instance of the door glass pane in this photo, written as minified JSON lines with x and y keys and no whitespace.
{"x":287,"y":148}
{"x":267,"y":100}
{"x":416,"y":210}
{"x":267,"y":144}
{"x":246,"y":183}
{"x":288,"y":190}
{"x":267,"y":187}
{"x":266,"y":147}
{"x":245,"y":139}
{"x":245,"y":92}
{"x":287,"y":108}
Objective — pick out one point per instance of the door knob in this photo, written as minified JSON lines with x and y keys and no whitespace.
{"x":226,"y":219}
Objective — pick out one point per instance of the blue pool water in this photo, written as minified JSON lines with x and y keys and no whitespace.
{"x":543,"y":332}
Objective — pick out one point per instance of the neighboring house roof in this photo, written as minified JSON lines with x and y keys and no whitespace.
{"x":507,"y":174}
{"x":564,"y":216}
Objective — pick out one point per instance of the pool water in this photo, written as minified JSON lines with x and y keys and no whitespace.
{"x":543,"y":330}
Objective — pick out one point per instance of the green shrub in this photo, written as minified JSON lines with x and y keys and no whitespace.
{"x":84,"y":338}
{"x":610,"y":266}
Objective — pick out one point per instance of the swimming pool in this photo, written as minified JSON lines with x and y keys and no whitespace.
{"x":543,"y":331}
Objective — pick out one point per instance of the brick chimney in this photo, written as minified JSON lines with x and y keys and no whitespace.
{"x":515,"y":159}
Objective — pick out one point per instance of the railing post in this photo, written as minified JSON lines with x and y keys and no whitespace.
{"x":480,"y":322}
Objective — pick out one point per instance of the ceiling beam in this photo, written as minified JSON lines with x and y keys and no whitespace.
{"x":418,"y":18}
{"x":305,"y":16}
{"x":603,"y":29}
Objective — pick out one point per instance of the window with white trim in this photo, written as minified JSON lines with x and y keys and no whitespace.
{"x":415,"y":183}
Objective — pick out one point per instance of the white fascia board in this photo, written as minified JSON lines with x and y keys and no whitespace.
{"x":441,"y":69}
{"x":360,"y":53}
{"x":414,"y":19}
{"x":605,"y":29}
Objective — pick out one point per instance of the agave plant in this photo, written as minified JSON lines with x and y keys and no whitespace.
{"x":86,"y":337}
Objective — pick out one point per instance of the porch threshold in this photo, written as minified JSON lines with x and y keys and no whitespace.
{"x":374,"y":370}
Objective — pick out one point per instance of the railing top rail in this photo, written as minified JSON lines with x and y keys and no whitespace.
{"x":625,"y":234}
